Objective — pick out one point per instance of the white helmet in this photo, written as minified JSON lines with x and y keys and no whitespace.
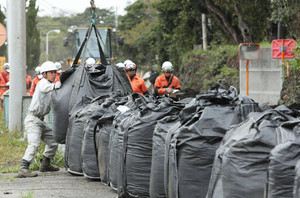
{"x":126,"y":62}
{"x":89,"y":62}
{"x":58,"y":65}
{"x":6,"y":66}
{"x":38,"y":70}
{"x":130,"y":66}
{"x":167,"y":66}
{"x":120,"y":65}
{"x":48,"y":66}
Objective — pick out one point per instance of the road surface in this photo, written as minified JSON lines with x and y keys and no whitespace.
{"x":59,"y":184}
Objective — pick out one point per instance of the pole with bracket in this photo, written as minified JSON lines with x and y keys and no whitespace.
{"x":93,"y":11}
{"x":283,"y":50}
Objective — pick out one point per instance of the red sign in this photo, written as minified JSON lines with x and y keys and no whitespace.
{"x":283,"y":48}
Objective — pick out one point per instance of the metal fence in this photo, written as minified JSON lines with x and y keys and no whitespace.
{"x":26,"y":100}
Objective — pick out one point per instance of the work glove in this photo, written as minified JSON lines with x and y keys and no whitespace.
{"x":57,"y":85}
{"x":169,"y":90}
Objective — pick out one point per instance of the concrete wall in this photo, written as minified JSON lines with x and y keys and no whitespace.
{"x":265,"y":78}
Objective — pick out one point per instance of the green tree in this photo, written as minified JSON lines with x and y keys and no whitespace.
{"x":287,"y":13}
{"x":32,"y":36}
{"x":139,"y":28}
{"x":180,"y":27}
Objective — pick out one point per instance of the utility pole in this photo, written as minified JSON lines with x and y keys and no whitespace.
{"x":16,"y":24}
{"x":204,"y":32}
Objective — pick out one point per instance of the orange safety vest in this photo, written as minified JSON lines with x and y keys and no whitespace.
{"x":28,"y":82}
{"x":162,"y":83}
{"x":137,"y":84}
{"x":34,"y":83}
{"x":3,"y":87}
{"x":57,"y":77}
{"x":4,"y":76}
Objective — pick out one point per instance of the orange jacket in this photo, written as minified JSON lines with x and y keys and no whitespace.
{"x":34,"y":83}
{"x":28,"y":82}
{"x":57,"y":77}
{"x":161,"y":83}
{"x":7,"y":77}
{"x":3,"y":80}
{"x":137,"y":84}
{"x":4,"y":76}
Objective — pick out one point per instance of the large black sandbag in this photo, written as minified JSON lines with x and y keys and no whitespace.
{"x":85,"y":101}
{"x":122,"y":120}
{"x":296,"y":190}
{"x":89,"y":146}
{"x":96,"y":130}
{"x":194,"y":150}
{"x":281,"y":170}
{"x":191,"y":151}
{"x":81,"y":82}
{"x":105,"y":123}
{"x":241,"y":161}
{"x":137,"y":147}
{"x":157,"y":183}
{"x":75,"y":135}
{"x":60,"y":106}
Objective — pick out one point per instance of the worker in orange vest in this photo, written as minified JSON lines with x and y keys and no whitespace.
{"x":59,"y":70}
{"x":166,"y":83}
{"x":5,"y":74}
{"x":35,"y":81}
{"x":137,"y":83}
{"x":3,"y":82}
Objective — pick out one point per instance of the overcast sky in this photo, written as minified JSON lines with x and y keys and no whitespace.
{"x":68,"y":7}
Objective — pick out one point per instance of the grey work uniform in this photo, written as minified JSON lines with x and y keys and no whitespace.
{"x":35,"y":126}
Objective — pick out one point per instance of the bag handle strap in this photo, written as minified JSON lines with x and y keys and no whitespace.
{"x":102,"y":56}
{"x":87,"y":36}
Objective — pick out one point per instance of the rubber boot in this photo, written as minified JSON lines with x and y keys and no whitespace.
{"x":24,"y":171}
{"x":46,"y":166}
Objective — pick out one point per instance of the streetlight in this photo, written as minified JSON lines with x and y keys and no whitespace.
{"x":47,"y":52}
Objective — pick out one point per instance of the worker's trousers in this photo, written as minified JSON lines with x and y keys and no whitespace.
{"x":38,"y":130}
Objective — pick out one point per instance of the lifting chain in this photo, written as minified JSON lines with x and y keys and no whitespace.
{"x":92,"y":9}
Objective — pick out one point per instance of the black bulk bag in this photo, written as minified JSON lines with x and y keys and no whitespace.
{"x":75,"y":135}
{"x":91,"y":134}
{"x":191,"y":150}
{"x":296,"y":190}
{"x":241,"y":161}
{"x":77,"y":82}
{"x":281,"y":170}
{"x":137,"y":147}
{"x":122,"y":120}
{"x":157,"y":183}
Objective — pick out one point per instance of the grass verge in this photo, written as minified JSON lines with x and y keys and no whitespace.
{"x":12,"y":149}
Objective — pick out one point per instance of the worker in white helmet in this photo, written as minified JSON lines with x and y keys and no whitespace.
{"x":38,"y":77}
{"x":136,"y":82}
{"x":166,"y":83}
{"x":35,"y":126}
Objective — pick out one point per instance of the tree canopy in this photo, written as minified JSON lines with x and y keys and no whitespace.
{"x":32,"y":36}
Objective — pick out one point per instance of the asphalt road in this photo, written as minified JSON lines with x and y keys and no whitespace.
{"x":59,"y":184}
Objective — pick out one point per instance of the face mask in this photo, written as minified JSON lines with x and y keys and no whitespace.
{"x":132,"y":75}
{"x":40,"y":76}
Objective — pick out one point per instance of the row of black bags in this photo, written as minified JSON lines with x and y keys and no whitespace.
{"x":146,"y":147}
{"x":217,"y":145}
